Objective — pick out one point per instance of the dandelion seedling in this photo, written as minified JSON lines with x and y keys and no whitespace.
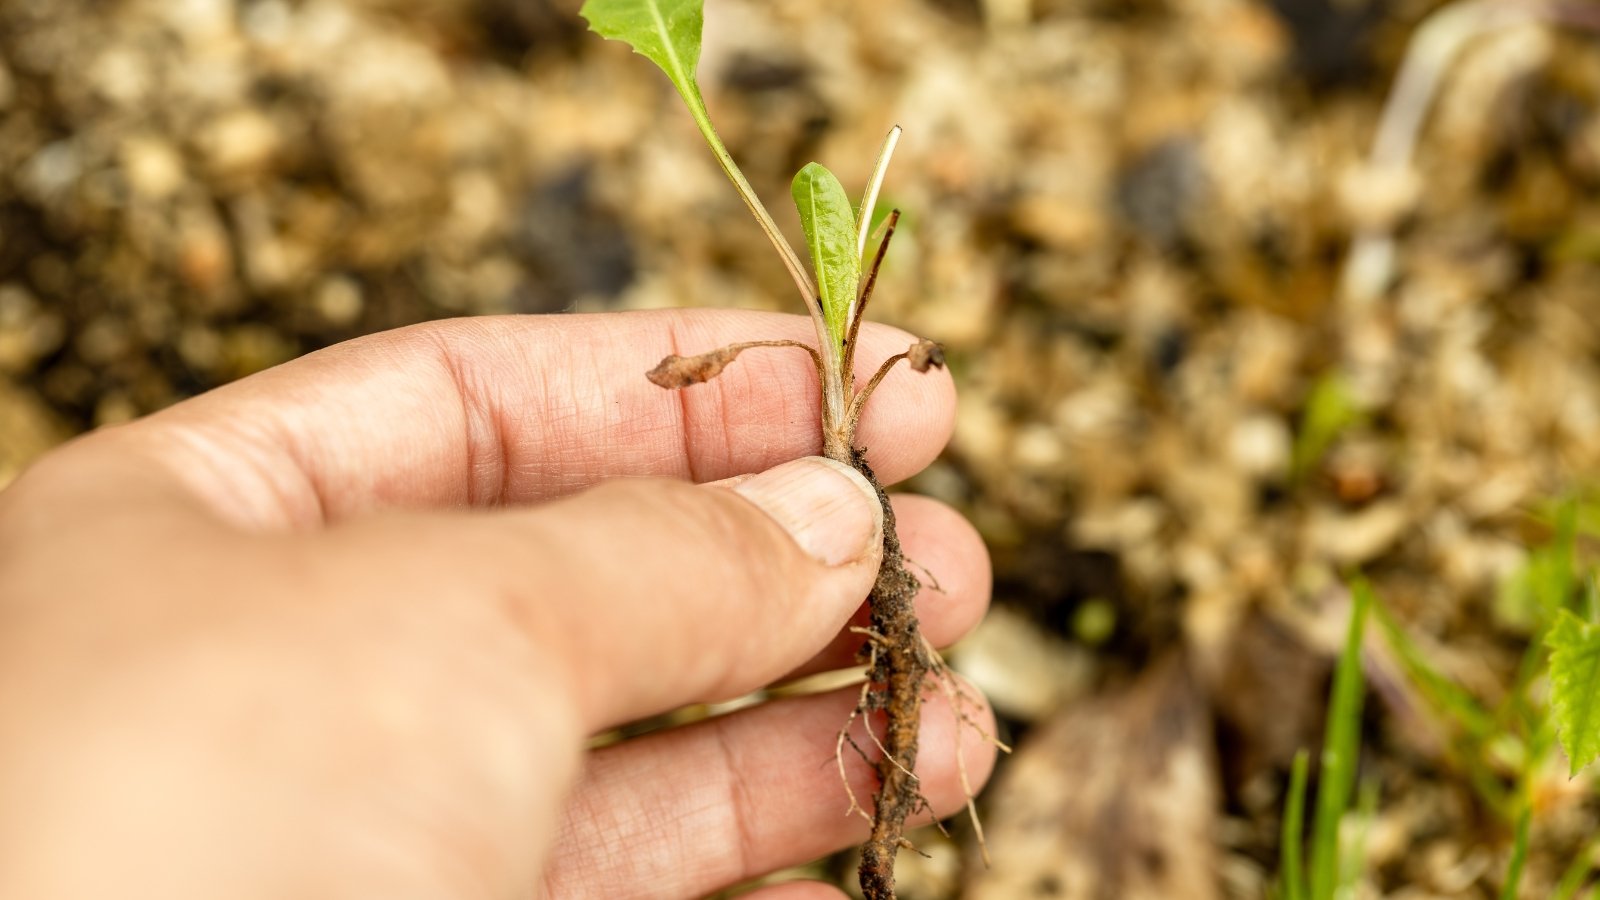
{"x":899,"y":661}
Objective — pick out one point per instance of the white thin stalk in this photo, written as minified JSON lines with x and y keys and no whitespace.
{"x":1437,"y":44}
{"x":869,"y":204}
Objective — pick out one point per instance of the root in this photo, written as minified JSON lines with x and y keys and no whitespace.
{"x":838,"y":758}
{"x":898,"y":665}
{"x":959,"y":701}
{"x":874,"y":639}
{"x":928,"y":579}
{"x":959,"y":698}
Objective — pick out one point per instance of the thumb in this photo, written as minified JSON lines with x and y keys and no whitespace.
{"x":647,"y":594}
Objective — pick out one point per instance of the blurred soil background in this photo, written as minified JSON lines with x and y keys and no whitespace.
{"x":1127,"y":221}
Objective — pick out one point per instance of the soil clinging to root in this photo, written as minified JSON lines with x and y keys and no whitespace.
{"x":898,"y":667}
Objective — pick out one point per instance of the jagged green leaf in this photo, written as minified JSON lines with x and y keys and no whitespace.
{"x":830,"y":226}
{"x":665,"y":31}
{"x":1575,"y":687}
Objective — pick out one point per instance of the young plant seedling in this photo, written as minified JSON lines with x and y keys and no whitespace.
{"x":899,"y":661}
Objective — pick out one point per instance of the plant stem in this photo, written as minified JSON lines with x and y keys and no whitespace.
{"x":858,"y":310}
{"x":1510,"y":889}
{"x":791,"y":260}
{"x":1340,"y":749}
{"x":834,"y":389}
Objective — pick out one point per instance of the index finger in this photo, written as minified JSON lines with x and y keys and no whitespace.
{"x":514,"y":409}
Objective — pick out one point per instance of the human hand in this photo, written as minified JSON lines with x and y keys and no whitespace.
{"x":341,"y":629}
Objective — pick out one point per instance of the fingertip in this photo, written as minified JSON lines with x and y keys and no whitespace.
{"x":717,"y":591}
{"x":944,"y":552}
{"x":830,"y":510}
{"x":781,"y":756}
{"x":911,"y":416}
{"x":905,"y":424}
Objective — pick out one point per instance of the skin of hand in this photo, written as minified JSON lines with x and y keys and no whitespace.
{"x":342,"y":628}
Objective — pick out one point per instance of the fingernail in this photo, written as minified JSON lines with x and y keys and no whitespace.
{"x":827,"y":507}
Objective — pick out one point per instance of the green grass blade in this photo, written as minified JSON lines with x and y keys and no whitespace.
{"x":1340,"y":749}
{"x":1294,"y":823}
{"x":1353,"y":860}
{"x":1473,"y":725}
{"x":1575,"y":687}
{"x":1572,"y":879}
{"x":1519,"y":856}
{"x":1442,"y":693}
{"x":830,"y":227}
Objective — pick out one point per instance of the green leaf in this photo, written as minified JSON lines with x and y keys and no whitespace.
{"x":830,"y":227}
{"x":667,"y":32}
{"x":1330,"y":410}
{"x":1575,"y":687}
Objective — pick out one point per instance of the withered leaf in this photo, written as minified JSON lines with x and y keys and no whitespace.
{"x":925,"y":354}
{"x":681,"y":371}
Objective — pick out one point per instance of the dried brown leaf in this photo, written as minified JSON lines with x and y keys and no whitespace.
{"x":925,"y":354}
{"x":681,"y":371}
